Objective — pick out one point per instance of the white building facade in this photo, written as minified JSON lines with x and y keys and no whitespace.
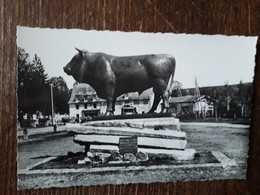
{"x":85,"y":102}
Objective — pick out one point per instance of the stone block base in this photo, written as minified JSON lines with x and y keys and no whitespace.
{"x":141,"y":141}
{"x":187,"y":154}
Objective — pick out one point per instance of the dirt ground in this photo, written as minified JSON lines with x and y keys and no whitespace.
{"x":231,"y":140}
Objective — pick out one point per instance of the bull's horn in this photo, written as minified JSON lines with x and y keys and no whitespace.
{"x":78,"y":50}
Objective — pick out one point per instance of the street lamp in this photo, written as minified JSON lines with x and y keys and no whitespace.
{"x":52,"y":109}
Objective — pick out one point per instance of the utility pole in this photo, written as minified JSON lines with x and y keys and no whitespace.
{"x":52,"y":110}
{"x":197,"y":91}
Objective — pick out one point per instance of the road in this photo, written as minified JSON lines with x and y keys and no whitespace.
{"x":230,"y":139}
{"x":47,"y":144}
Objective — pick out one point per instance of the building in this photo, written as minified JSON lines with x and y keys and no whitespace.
{"x":85,"y":102}
{"x":191,"y":105}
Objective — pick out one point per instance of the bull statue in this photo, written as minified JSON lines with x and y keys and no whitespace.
{"x":112,"y":76}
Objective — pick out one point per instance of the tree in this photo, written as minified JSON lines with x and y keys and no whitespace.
{"x":176,"y":88}
{"x":248,"y":100}
{"x":228,"y":98}
{"x":60,"y":95}
{"x":23,"y":67}
{"x":32,"y":86}
{"x":244,"y":98}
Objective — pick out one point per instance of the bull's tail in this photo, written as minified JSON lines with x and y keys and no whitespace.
{"x":168,"y":92}
{"x":169,"y":86}
{"x":171,"y":81}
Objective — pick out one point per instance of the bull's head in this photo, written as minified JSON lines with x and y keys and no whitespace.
{"x":76,"y":66}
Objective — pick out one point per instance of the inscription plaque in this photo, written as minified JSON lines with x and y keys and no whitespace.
{"x":128,"y":145}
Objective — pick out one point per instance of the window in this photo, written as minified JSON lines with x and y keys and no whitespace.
{"x":146,"y":101}
{"x":95,"y":105}
{"x":85,"y":106}
{"x":136,"y":102}
{"x":77,"y":106}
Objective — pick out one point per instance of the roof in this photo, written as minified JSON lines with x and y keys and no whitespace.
{"x":81,"y":90}
{"x":189,"y":99}
{"x":183,"y":99}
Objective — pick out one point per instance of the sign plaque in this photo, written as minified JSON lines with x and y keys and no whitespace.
{"x":128,"y":145}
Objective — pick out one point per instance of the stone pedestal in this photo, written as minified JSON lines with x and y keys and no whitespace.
{"x":155,"y":138}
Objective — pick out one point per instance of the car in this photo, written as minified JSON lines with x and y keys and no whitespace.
{"x":128,"y":109}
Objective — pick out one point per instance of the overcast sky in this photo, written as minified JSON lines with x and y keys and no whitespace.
{"x":213,"y":59}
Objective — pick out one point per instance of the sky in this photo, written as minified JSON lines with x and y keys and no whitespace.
{"x":212,"y":59}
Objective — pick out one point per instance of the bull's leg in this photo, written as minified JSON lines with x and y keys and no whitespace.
{"x":155,"y":102}
{"x":159,"y":89}
{"x":114,"y":104}
{"x":110,"y":98}
{"x":109,"y":108}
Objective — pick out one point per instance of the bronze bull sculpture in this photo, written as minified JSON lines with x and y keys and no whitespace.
{"x":112,"y":76}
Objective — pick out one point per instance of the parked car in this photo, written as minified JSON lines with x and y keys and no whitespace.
{"x":128,"y":109}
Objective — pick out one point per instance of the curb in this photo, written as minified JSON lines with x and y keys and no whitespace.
{"x":43,"y":137}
